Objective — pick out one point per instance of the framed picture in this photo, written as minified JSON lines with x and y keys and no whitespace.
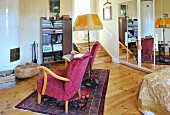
{"x":123,"y":10}
{"x":54,"y":6}
{"x":107,"y":13}
{"x":14,"y":54}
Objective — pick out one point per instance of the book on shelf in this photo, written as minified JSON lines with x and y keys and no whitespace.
{"x":47,"y":48}
{"x":46,"y":39}
{"x":47,"y":31}
{"x":57,"y":47}
{"x":59,"y":38}
{"x":49,"y":59}
{"x":58,"y":24}
{"x":58,"y":31}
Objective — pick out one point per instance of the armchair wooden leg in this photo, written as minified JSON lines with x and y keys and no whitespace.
{"x":39,"y":98}
{"x":89,"y":72}
{"x":66,"y":106}
{"x":66,"y":64}
{"x":79,"y":92}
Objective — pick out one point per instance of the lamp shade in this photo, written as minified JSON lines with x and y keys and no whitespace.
{"x":162,"y":23}
{"x":87,"y":22}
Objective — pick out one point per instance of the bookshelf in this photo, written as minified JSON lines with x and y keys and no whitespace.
{"x":132,"y":34}
{"x":56,"y":39}
{"x":131,"y":27}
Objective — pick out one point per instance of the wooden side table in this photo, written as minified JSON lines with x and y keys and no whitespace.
{"x":161,"y":48}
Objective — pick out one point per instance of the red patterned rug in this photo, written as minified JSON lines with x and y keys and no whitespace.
{"x":91,"y":101}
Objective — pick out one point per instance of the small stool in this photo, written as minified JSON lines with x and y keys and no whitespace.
{"x":26,"y":71}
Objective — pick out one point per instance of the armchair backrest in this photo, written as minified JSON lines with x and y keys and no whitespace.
{"x":75,"y":72}
{"x":93,"y":54}
{"x":147,"y":46}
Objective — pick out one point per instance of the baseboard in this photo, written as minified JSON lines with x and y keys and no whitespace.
{"x":116,"y":60}
{"x":135,"y":66}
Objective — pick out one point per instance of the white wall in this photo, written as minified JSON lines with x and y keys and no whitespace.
{"x":30,"y":13}
{"x":109,"y":36}
{"x":147,"y":19}
{"x":132,"y":9}
{"x":80,"y":8}
{"x":9,"y":32}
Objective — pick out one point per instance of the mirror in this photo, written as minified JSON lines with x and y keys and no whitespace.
{"x":128,"y":32}
{"x":122,"y":21}
{"x":132,"y":31}
{"x":147,"y":34}
{"x":139,"y":39}
{"x":143,"y":45}
{"x":162,"y":35}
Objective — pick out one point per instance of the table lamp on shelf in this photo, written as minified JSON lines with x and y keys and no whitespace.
{"x":88,"y":22}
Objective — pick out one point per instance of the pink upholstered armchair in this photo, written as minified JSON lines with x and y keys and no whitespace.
{"x":63,"y":84}
{"x":147,"y":47}
{"x":92,"y":82}
{"x":93,"y":55}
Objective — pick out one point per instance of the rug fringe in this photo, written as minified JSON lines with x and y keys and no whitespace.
{"x":29,"y":111}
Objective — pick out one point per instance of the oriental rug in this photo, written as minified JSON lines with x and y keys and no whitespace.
{"x":91,"y":101}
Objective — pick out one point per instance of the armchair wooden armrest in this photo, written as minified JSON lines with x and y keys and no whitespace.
{"x":76,"y":52}
{"x":52,"y":73}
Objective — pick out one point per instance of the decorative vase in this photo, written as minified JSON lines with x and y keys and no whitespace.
{"x":57,"y":16}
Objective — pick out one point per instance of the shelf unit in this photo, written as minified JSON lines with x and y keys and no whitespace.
{"x":56,"y":39}
{"x":132,"y":34}
{"x":131,"y":27}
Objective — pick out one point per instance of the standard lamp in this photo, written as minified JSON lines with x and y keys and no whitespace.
{"x":163,"y":23}
{"x":88,"y":22}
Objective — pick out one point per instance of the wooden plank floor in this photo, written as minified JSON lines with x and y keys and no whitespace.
{"x":120,"y":98}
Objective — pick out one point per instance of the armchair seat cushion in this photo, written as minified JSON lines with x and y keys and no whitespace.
{"x":52,"y":85}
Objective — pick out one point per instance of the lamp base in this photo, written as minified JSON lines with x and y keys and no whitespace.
{"x":91,"y":82}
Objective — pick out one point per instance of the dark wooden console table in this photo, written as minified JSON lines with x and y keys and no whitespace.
{"x":161,"y":48}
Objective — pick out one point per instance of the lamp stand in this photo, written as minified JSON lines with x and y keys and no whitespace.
{"x":164,"y":35}
{"x":90,"y":82}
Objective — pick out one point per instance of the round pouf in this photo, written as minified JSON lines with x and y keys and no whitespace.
{"x":26,"y":71}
